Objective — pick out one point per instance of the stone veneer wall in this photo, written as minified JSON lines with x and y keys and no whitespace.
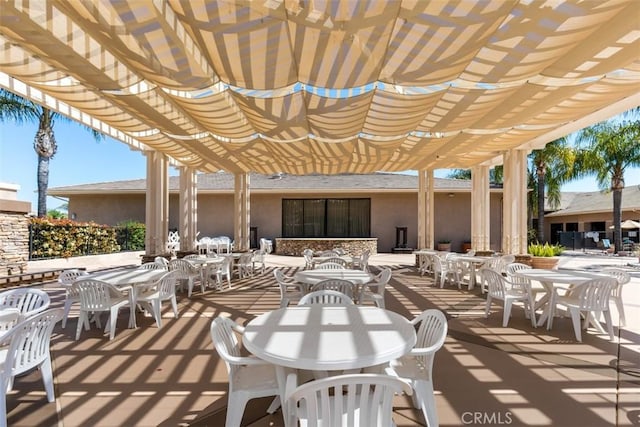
{"x":353,"y":247}
{"x":14,"y":242}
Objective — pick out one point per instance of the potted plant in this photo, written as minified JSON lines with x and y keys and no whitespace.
{"x":466,"y":246}
{"x":444,"y":245}
{"x":544,"y":255}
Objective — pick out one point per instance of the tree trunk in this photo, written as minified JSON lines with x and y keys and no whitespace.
{"x":541,"y":184}
{"x":43,"y":185}
{"x":617,"y":218}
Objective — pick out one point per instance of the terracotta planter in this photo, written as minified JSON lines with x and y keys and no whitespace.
{"x":445,"y":247}
{"x":466,"y":246}
{"x":547,"y":263}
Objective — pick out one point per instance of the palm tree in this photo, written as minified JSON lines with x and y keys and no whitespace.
{"x":607,"y":149}
{"x":552,"y":167}
{"x":20,"y":110}
{"x":495,"y":174}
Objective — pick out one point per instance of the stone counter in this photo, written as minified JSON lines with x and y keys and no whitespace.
{"x":352,"y":246}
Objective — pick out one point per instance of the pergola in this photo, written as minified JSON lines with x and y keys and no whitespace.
{"x":328,"y":87}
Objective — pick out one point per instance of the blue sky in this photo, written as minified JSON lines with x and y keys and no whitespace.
{"x":81,"y":159}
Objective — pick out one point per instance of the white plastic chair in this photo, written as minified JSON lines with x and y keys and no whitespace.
{"x":29,"y":301}
{"x":340,"y":285}
{"x":522,"y":283}
{"x":591,"y":297}
{"x":187,"y":272}
{"x":417,"y":366}
{"x":495,"y":263}
{"x":162,"y":261}
{"x":499,"y":289}
{"x":223,"y":272}
{"x":151,"y":266}
{"x":97,"y":296}
{"x":326,"y":297}
{"x":290,"y":290}
{"x":362,"y":400}
{"x":249,"y":377}
{"x":258,"y":262}
{"x":616,"y":293}
{"x":375,"y":291}
{"x":443,"y":272}
{"x":27,"y":347}
{"x":333,"y":260}
{"x":152,"y":296}
{"x":9,"y":317}
{"x":307,"y":254}
{"x":330,"y":265}
{"x":361,"y":262}
{"x":244,"y":266}
{"x":66,"y":279}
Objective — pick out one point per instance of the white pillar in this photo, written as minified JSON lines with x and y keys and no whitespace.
{"x":188,"y":208}
{"x":514,"y":231}
{"x":425,"y":209}
{"x":241,"y":211}
{"x":157,"y":204}
{"x":480,"y":209}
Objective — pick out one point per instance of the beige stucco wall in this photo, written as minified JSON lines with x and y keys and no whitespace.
{"x":388,"y":211}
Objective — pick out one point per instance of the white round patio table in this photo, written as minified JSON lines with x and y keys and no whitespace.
{"x":327,"y":337}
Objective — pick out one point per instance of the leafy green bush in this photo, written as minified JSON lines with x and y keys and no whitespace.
{"x":546,"y":250}
{"x":63,"y":238}
{"x":130,"y":235}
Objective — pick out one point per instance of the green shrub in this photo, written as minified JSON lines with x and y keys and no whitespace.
{"x":130,"y":235}
{"x":546,"y":250}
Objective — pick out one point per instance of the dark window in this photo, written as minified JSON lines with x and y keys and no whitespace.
{"x":326,"y":217}
{"x":598,"y":226}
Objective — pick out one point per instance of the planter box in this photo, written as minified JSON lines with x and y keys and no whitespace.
{"x":445,"y":247}
{"x":547,"y":263}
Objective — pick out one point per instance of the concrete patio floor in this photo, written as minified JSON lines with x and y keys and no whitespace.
{"x":484,"y":375}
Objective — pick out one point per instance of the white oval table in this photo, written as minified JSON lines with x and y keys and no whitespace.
{"x":328,"y":338}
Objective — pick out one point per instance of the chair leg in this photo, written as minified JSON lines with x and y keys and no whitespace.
{"x":532,"y":312}
{"x":487,"y":307}
{"x":67,"y":308}
{"x":3,"y":405}
{"x":235,"y":409}
{"x":506,"y":314}
{"x":575,"y":318}
{"x":81,"y":321}
{"x":174,"y":305}
{"x":275,"y":404}
{"x":47,"y":379}
{"x":620,"y":307}
{"x":156,"y":312}
{"x":607,"y":319}
{"x":113,"y":319}
{"x":423,"y":390}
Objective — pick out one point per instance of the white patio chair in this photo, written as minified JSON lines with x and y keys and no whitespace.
{"x":187,"y":272}
{"x":96,"y":297}
{"x":151,"y":296}
{"x":9,"y":317}
{"x":499,"y":289}
{"x":66,"y":279}
{"x":29,"y":301}
{"x":191,"y":256}
{"x":290,"y":290}
{"x":244,"y":266}
{"x":443,"y":272}
{"x":249,"y":377}
{"x":162,"y":261}
{"x":331,"y":265}
{"x":523,"y":284}
{"x":225,"y":245}
{"x":326,"y":297}
{"x":361,"y":262}
{"x":307,"y":254}
{"x":258,"y":261}
{"x":495,"y":263}
{"x":417,"y":366}
{"x":27,"y":347}
{"x":375,"y":291}
{"x":340,"y":285}
{"x":223,"y":272}
{"x":364,"y":400}
{"x":329,"y":253}
{"x":151,"y":266}
{"x":616,"y":293}
{"x":590,"y":297}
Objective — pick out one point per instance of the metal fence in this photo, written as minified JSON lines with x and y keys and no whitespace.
{"x":594,"y":240}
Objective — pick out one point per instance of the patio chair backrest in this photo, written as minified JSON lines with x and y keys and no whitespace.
{"x":340,"y":285}
{"x":162,"y":261}
{"x":620,"y":275}
{"x":496,"y":284}
{"x":332,"y":264}
{"x":96,"y":295}
{"x":67,"y":277}
{"x":151,"y":266}
{"x":326,"y":297}
{"x":432,"y":333}
{"x":515,"y":280}
{"x":29,"y":301}
{"x":594,"y":294}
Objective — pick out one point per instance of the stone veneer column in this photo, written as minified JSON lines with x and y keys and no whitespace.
{"x":188,"y":208}
{"x":425,"y":209}
{"x":14,"y":231}
{"x":480,"y":209}
{"x":241,"y":210}
{"x":514,"y":231}
{"x":157,"y":204}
